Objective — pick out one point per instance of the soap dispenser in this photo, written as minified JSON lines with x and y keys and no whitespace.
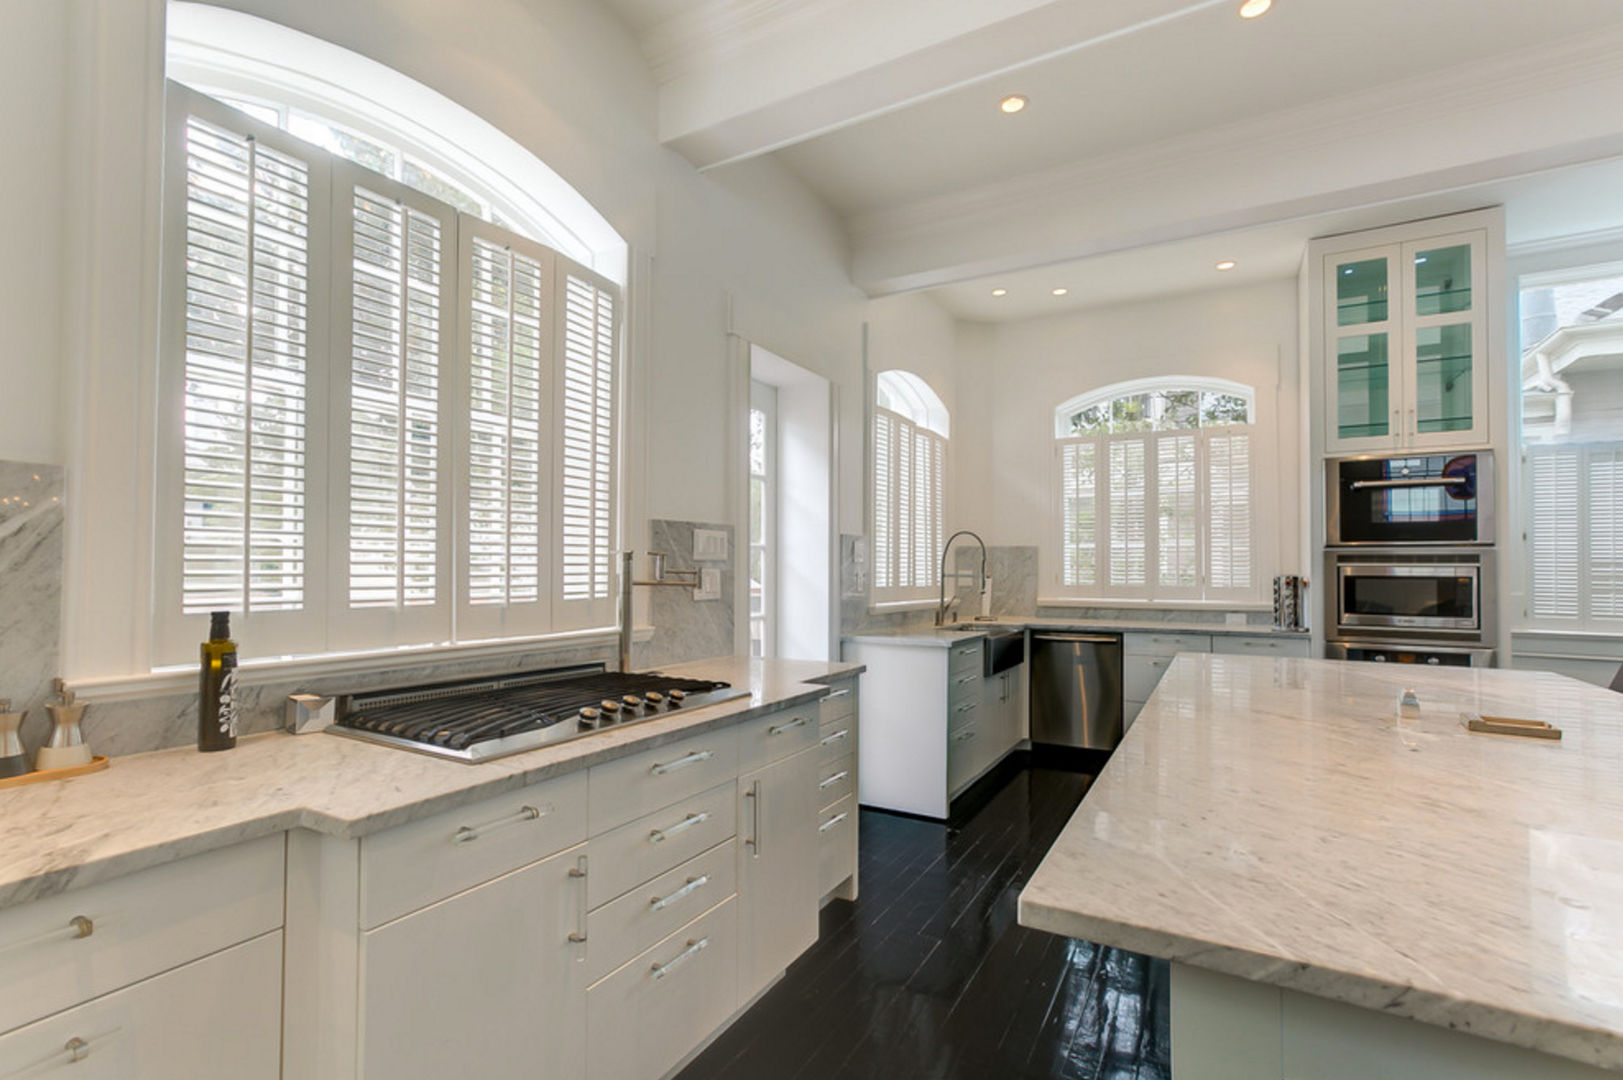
{"x":13,"y":761}
{"x":67,"y":747}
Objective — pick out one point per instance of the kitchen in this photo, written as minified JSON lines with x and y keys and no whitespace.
{"x":798,"y":314}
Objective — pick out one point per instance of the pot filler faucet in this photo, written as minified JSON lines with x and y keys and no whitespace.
{"x":688,"y":579}
{"x":984,"y":582}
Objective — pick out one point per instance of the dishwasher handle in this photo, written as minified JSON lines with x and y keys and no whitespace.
{"x":1077,"y":638}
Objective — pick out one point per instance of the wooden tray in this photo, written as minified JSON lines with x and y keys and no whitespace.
{"x":95,"y":764}
{"x":1510,"y":725}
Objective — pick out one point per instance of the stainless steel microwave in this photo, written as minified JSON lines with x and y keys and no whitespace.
{"x":1409,"y":500}
{"x":1410,"y":596}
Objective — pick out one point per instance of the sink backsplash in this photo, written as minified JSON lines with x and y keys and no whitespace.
{"x":31,"y":537}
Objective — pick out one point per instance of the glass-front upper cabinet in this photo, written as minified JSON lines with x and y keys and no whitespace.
{"x":1405,"y":345}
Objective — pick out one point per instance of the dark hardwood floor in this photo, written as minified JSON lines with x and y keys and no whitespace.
{"x":928,"y":977}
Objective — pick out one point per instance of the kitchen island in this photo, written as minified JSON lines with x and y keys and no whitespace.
{"x":1346,"y":892}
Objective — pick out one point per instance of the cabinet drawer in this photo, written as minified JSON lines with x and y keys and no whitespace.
{"x":635,"y":785}
{"x":1164,"y":644}
{"x":964,"y":657}
{"x":1260,"y":646}
{"x":963,"y":711}
{"x":836,"y":844}
{"x":621,"y":929}
{"x":645,"y":1017}
{"x":836,"y":740}
{"x":962,"y":683}
{"x":216,"y":1017}
{"x":1140,"y":674}
{"x":839,"y":703}
{"x":768,"y":738}
{"x":410,"y":867}
{"x":643,"y":849}
{"x":966,"y":748}
{"x":61,"y":950}
{"x":836,"y":779}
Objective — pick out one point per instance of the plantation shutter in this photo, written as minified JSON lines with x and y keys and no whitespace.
{"x":884,"y":500}
{"x":506,"y":311}
{"x":586,"y":468}
{"x":1178,"y":511}
{"x":244,"y":364}
{"x":1228,"y":497}
{"x":1603,"y":481}
{"x":909,"y":514}
{"x":1079,"y":513}
{"x":1557,"y":521}
{"x":1128,"y":495}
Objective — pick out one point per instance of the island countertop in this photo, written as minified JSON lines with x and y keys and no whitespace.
{"x":148,"y":809}
{"x":1276,"y":820}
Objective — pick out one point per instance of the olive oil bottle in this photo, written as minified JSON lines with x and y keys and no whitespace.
{"x":217,"y":701}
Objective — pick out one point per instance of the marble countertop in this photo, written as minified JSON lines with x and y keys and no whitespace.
{"x":945,"y":637}
{"x":148,"y":809}
{"x":1276,"y":820}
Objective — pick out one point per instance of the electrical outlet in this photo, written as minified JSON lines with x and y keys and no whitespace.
{"x":709,"y":587}
{"x":709,"y":545}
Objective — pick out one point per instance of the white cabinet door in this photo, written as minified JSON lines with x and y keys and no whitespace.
{"x":488,"y":983}
{"x":778,"y":868}
{"x":216,"y":1017}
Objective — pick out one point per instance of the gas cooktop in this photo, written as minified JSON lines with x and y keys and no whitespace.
{"x":477,"y":720}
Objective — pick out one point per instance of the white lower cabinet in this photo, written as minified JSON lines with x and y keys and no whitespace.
{"x":488,"y":983}
{"x":777,"y":867}
{"x":220,"y":1016}
{"x":645,"y":1017}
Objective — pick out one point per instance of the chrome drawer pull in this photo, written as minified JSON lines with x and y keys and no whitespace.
{"x":842,"y":692}
{"x":835,"y":737}
{"x":659,"y":836}
{"x":963,"y":736}
{"x":799,"y":721}
{"x":694,"y":947}
{"x":578,"y":937}
{"x":660,"y":903}
{"x":835,"y":779}
{"x":831,"y":822}
{"x":77,"y":927}
{"x":965,"y":680}
{"x":73,"y":1051}
{"x":469,"y":833}
{"x":966,"y":706}
{"x":754,"y":796}
{"x":682,"y":762}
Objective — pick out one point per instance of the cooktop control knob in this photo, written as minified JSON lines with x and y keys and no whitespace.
{"x":590,"y":716}
{"x":677,"y":696}
{"x":610,"y":708}
{"x":655,"y":699}
{"x":632,"y":701}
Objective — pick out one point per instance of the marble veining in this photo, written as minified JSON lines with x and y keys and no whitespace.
{"x":31,"y":530}
{"x":685,"y":628}
{"x":153,"y":808}
{"x":1013,"y":571}
{"x":1277,"y":820}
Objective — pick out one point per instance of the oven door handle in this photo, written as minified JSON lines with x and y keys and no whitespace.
{"x":1410,"y":482}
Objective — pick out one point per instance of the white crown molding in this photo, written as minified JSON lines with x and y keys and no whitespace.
{"x":702,"y":37}
{"x":1474,"y":87}
{"x":1568,"y":242}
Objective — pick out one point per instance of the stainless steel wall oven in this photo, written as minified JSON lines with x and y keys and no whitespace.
{"x":1420,"y":499}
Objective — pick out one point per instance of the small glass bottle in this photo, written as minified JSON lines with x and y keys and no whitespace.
{"x":217,"y":696}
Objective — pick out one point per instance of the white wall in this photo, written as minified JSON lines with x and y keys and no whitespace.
{"x":1012,"y":375}
{"x":33,"y":44}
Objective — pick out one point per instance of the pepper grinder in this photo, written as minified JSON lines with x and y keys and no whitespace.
{"x":67,"y":747}
{"x":13,"y":762}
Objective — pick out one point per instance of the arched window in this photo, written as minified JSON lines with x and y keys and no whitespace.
{"x":909,"y":487}
{"x":1154,"y":491}
{"x":389,"y":414}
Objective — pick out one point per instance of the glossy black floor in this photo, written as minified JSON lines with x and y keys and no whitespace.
{"x":928,"y":977}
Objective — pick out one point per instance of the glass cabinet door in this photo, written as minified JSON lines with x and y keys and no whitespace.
{"x":1363,"y":324}
{"x":1447,"y":335}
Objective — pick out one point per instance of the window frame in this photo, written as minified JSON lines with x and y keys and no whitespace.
{"x":764,"y":399}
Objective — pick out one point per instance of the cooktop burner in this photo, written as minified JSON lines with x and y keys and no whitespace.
{"x":477,"y":720}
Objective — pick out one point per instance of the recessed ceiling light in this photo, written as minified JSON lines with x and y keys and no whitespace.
{"x":1227,"y":264}
{"x":1012,"y":104}
{"x":1061,"y":291}
{"x":1000,"y":292}
{"x":1252,"y":8}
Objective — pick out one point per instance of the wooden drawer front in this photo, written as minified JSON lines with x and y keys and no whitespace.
{"x":836,"y":779}
{"x":645,"y":1017}
{"x":836,"y":740}
{"x":1141,"y":674}
{"x":836,"y":844}
{"x":622,"y":928}
{"x":768,"y":738}
{"x":966,"y":747}
{"x":648,"y":847}
{"x":1164,"y":644}
{"x":633,"y":786}
{"x":61,"y":950}
{"x":839,"y":703}
{"x":1260,"y":646}
{"x":216,"y":1017}
{"x":965,"y":657}
{"x":408,"y":868}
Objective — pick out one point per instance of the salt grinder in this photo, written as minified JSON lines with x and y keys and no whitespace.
{"x":13,"y":762}
{"x":67,"y":747}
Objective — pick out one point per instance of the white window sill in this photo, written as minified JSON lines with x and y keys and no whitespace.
{"x":258,"y":671}
{"x":903,"y":605}
{"x":1140,"y":602}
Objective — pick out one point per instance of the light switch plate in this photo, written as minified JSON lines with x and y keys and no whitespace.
{"x":709,"y":545}
{"x":709,"y":584}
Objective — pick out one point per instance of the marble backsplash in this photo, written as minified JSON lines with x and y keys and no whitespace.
{"x":31,"y":537}
{"x":685,"y":628}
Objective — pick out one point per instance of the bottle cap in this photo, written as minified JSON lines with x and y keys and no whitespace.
{"x":219,"y":625}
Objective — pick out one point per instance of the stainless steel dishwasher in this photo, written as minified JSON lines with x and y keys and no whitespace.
{"x":1076,"y":690}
